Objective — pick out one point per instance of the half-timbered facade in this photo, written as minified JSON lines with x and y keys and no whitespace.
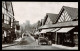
{"x":8,"y":26}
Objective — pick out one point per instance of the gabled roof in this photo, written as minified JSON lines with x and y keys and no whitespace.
{"x":42,"y":21}
{"x":12,"y":8}
{"x":7,"y":4}
{"x":53,"y":17}
{"x":73,"y":12}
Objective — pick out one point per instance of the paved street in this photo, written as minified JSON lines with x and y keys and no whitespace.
{"x":28,"y":43}
{"x":26,"y":47}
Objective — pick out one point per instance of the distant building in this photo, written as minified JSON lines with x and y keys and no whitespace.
{"x":17,"y":29}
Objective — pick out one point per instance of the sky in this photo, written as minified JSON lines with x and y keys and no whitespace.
{"x":34,"y":11}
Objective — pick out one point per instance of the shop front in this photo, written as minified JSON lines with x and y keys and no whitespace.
{"x":44,"y":32}
{"x":65,"y":36}
{"x":5,"y":29}
{"x":7,"y":33}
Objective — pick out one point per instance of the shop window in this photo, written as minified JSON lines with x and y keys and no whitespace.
{"x":76,"y":39}
{"x":67,"y":38}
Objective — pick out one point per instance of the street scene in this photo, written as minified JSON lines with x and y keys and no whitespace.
{"x":39,"y":25}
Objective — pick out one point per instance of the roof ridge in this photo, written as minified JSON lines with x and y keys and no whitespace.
{"x":69,"y":7}
{"x":51,"y":13}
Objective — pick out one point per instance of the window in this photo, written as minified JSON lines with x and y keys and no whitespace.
{"x":18,"y":27}
{"x":9,"y":8}
{"x":2,"y":18}
{"x":11,"y":24}
{"x":11,"y":20}
{"x":5,"y":21}
{"x":5,"y":17}
{"x":3,"y":4}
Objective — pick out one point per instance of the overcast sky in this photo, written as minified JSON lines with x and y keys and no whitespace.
{"x":34,"y":11}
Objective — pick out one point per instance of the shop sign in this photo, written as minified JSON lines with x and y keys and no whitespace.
{"x":5,"y":25}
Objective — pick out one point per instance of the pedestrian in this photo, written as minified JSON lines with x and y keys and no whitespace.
{"x":22,"y":35}
{"x":5,"y":36}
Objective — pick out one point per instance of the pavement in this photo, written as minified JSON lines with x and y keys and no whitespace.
{"x":65,"y":47}
{"x":12,"y":44}
{"x":20,"y":41}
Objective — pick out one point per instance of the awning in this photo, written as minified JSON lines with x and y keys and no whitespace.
{"x":55,"y":29}
{"x":46,"y":30}
{"x":65,"y":30}
{"x":60,"y":25}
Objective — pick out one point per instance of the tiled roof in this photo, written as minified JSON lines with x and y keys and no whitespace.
{"x":58,"y":25}
{"x":53,"y":17}
{"x":73,"y":12}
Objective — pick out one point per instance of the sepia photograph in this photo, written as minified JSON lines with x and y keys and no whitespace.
{"x":39,"y":25}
